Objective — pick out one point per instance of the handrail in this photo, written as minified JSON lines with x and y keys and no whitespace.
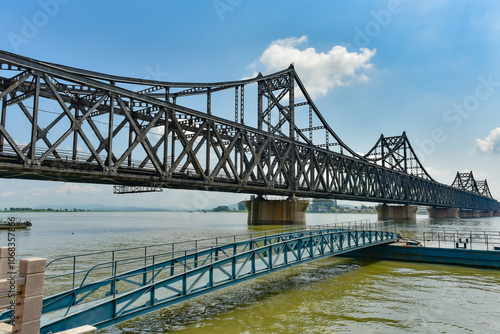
{"x":198,"y":246}
{"x":212,"y":256}
{"x":355,"y":223}
{"x":467,"y":239}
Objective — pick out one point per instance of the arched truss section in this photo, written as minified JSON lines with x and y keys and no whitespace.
{"x":466,"y":181}
{"x":283,"y":103}
{"x":483,"y":188}
{"x":397,"y":153}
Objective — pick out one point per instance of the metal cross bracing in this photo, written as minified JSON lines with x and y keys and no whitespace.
{"x":163,"y":279}
{"x":397,"y":154}
{"x":466,"y":181}
{"x":68,"y":124}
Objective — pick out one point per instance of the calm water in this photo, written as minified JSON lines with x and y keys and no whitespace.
{"x":334,"y":295}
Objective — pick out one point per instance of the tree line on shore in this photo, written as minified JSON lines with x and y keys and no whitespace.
{"x":43,"y":210}
{"x":316,"y":206}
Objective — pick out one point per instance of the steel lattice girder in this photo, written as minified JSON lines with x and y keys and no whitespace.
{"x":192,"y":149}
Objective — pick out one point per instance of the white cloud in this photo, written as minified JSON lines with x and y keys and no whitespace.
{"x":319,"y":71}
{"x":490,"y":144}
{"x":439,"y":174}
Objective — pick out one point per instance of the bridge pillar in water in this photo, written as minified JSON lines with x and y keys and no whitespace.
{"x":485,"y":213}
{"x":496,"y":213}
{"x":396,"y":212}
{"x":469,"y":214}
{"x":290,"y":211}
{"x":442,"y":213}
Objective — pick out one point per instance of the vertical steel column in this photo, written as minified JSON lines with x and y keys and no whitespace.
{"x":172,"y":151}
{"x":110,"y":132}
{"x":242,"y":104}
{"x":242,"y":154}
{"x":406,"y":178}
{"x":269,"y":119}
{"x":130,"y":134}
{"x":236,"y":155}
{"x":166,"y":131}
{"x":34,"y":125}
{"x":242,"y":120}
{"x":236,"y":104}
{"x":382,"y":142}
{"x":209,"y":141}
{"x":310,"y":124}
{"x":75,"y":137}
{"x":209,"y":100}
{"x":259,"y":105}
{"x":3,"y":117}
{"x":291,"y":131}
{"x":312,"y":169}
{"x":269,"y":162}
{"x":166,"y":113}
{"x":404,"y":155}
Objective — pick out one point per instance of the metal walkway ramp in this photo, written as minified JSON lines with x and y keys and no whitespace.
{"x":189,"y":269}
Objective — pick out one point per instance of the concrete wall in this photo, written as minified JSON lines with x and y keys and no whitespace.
{"x":396,"y":212}
{"x":443,"y":213}
{"x":291,"y":211}
{"x":469,"y":214}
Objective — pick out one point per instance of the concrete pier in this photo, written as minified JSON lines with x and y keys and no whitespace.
{"x":291,"y":211}
{"x":469,"y":214}
{"x":396,"y":212}
{"x":485,"y":214}
{"x":443,"y":213}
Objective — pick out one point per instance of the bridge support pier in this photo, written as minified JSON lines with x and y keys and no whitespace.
{"x":291,"y":211}
{"x":443,"y":213}
{"x":485,"y":214}
{"x":496,"y":213}
{"x":469,"y":214}
{"x":396,"y":212}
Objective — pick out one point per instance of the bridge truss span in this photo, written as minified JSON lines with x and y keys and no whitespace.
{"x":67,"y":124}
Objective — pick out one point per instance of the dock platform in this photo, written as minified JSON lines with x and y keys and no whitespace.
{"x":464,"y":248}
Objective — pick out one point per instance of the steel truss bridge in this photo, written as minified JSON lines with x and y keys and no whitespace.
{"x":103,"y":294}
{"x":66,"y":124}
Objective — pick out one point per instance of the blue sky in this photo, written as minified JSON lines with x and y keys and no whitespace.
{"x":429,"y":68}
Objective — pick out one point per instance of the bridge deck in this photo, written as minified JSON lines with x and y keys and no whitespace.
{"x":157,"y":285}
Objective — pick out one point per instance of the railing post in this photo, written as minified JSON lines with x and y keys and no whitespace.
{"x":74,"y":271}
{"x":112,"y":291}
{"x":145,"y":275}
{"x":29,"y":303}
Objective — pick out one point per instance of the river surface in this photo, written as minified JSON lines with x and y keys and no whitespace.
{"x":332,"y":295}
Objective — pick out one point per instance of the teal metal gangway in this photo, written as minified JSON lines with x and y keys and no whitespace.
{"x":113,"y":291}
